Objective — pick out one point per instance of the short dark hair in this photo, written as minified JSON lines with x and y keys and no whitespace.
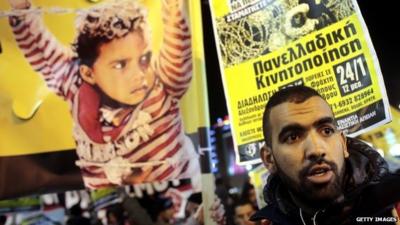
{"x":3,"y":219}
{"x":161,"y":204}
{"x":116,"y":210}
{"x":88,"y":48}
{"x":105,"y":22}
{"x":195,"y":198}
{"x":76,"y":210}
{"x":242,"y":202}
{"x":294,"y":94}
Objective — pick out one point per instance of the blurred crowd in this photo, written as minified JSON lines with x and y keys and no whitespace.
{"x":237,"y":208}
{"x":229,"y":208}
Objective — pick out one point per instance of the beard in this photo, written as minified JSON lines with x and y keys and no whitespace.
{"x":314,"y":195}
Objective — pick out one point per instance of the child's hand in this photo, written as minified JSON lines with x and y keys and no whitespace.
{"x":20,"y":4}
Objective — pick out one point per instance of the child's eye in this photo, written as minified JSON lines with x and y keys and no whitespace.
{"x":119,"y":65}
{"x":144,"y":60}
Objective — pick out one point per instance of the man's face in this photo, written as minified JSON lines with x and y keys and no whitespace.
{"x":122,"y":69}
{"x":307,"y":151}
{"x":243,"y":214}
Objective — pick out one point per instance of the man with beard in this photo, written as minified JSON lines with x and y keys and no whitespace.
{"x":318,"y":176}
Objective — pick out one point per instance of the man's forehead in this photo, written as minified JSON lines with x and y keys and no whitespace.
{"x":308,"y":111}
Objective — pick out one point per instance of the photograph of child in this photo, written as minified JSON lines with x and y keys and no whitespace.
{"x":123,"y":97}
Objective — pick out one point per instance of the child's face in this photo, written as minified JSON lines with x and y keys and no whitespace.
{"x":122,"y":70}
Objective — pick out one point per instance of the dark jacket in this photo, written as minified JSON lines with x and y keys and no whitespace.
{"x":370,"y":191}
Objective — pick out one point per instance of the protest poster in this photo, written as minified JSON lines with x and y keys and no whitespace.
{"x":51,"y":127}
{"x":267,"y":45}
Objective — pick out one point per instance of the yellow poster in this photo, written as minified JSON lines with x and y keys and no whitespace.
{"x":107,"y":78}
{"x":259,"y":177}
{"x":386,"y":137}
{"x":267,"y":45}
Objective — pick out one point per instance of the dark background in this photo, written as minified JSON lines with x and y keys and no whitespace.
{"x":383,"y":22}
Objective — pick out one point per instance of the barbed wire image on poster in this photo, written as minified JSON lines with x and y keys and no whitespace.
{"x":267,"y":45}
{"x":273,"y":24}
{"x":122,"y":91}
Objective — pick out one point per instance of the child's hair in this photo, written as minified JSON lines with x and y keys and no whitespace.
{"x":105,"y":22}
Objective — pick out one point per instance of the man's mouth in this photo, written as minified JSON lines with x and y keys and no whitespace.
{"x":320,"y":174}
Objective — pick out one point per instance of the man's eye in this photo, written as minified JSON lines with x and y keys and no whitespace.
{"x":144,"y":60}
{"x":119,"y":65}
{"x":327,"y":131}
{"x":291,"y":138}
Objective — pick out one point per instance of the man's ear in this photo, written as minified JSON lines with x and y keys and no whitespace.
{"x":344,"y":142}
{"x":268,"y":158}
{"x":87,"y":74}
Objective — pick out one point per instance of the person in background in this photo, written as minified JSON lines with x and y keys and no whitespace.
{"x":158,"y":209}
{"x":3,"y":219}
{"x":227,"y":200}
{"x":163,"y":211}
{"x":249,"y":193}
{"x":76,"y":217}
{"x":194,"y":211}
{"x":243,"y":211}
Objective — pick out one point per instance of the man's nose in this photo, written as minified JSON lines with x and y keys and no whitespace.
{"x":314,"y":146}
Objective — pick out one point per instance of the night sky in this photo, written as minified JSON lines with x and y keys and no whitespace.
{"x":383,"y":23}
